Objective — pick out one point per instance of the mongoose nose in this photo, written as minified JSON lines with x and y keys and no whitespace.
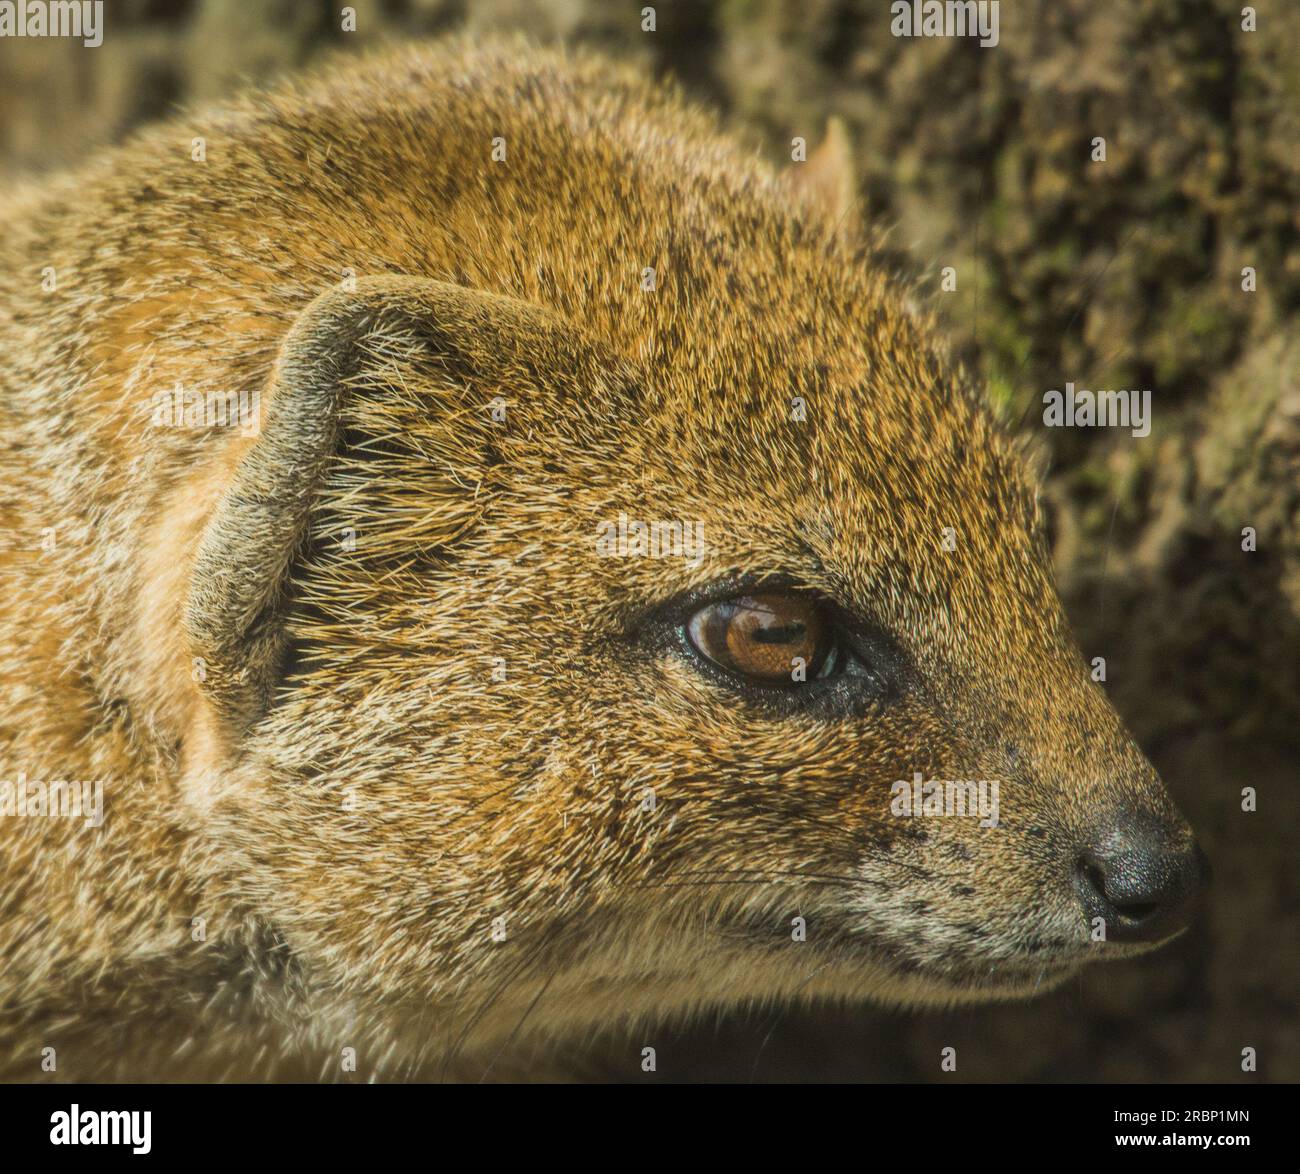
{"x":1140,"y":878}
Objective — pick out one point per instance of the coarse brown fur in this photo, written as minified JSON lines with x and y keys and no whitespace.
{"x":375,"y":726}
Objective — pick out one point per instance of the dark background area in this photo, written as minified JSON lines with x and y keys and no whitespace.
{"x":1125,"y":273}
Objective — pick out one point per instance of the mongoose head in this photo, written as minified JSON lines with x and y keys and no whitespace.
{"x":574,"y":645}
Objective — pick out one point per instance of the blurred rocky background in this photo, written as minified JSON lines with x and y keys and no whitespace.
{"x":1125,"y":273}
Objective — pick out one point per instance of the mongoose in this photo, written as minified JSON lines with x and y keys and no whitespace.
{"x":606,"y":549}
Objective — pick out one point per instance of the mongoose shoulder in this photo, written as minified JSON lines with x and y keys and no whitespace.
{"x":499,"y":549}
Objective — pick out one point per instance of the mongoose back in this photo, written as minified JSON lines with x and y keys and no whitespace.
{"x":509,"y":563}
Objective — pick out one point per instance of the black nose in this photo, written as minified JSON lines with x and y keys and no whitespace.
{"x":1141,"y":877}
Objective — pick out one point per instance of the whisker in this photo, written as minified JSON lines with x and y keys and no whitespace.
{"x":762,"y":873}
{"x":522,"y":964}
{"x":698,"y":884}
{"x":537,"y":998}
{"x":792,"y":813}
{"x":776,"y":1019}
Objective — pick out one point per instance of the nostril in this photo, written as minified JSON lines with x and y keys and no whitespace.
{"x":1092,"y":876}
{"x":1125,"y":906}
{"x":1102,"y":900}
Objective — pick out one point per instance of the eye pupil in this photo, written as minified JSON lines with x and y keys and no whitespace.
{"x":764,"y":637}
{"x":786,"y":635}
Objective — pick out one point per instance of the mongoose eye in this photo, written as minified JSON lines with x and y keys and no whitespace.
{"x":774,"y":638}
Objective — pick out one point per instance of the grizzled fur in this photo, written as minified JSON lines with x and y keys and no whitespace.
{"x":375,"y":725}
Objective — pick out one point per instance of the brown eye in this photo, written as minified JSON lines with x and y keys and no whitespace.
{"x":764,"y":636}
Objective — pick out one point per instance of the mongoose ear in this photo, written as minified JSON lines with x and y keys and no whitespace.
{"x":826,"y":182}
{"x":405,"y":338}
